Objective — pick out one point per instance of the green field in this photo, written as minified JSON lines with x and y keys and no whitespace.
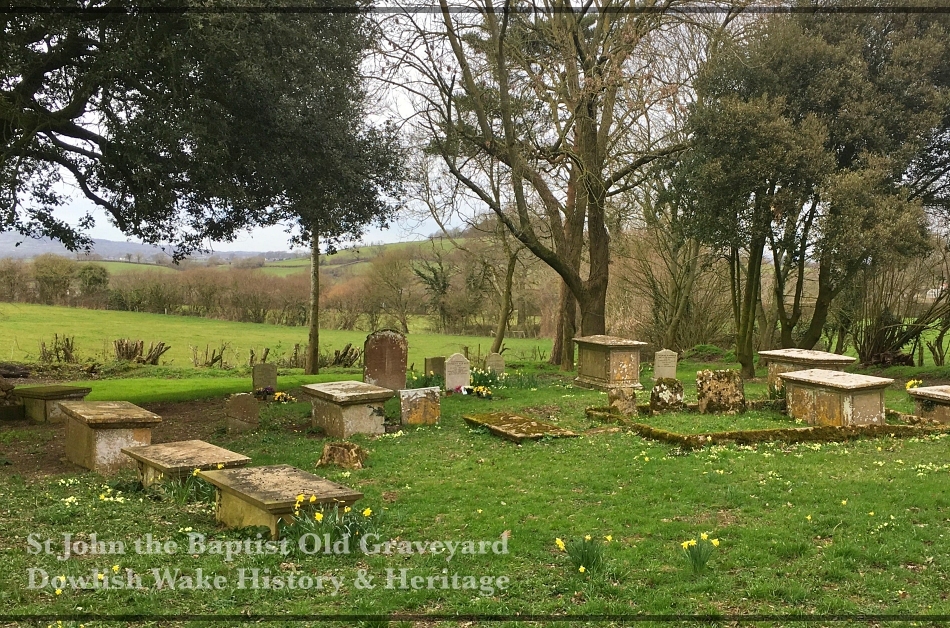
{"x":119,"y":268}
{"x":24,"y":326}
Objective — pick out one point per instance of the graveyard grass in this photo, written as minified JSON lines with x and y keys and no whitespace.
{"x":858,"y":527}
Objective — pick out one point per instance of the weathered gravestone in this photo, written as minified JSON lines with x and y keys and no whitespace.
{"x":720,"y":391}
{"x":385,"y":354}
{"x":436,"y":366}
{"x":495,"y":362}
{"x":458,"y":372}
{"x":664,"y":364}
{"x":420,"y":406}
{"x":666,"y":395}
{"x":243,"y":412}
{"x":343,"y":454}
{"x":264,"y":376}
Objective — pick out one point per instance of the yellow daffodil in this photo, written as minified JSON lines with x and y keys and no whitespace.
{"x":115,"y":569}
{"x":347,"y":509}
{"x":300,"y":498}
{"x":560,"y":544}
{"x":101,"y":577}
{"x":871,"y":514}
{"x":704,"y":536}
{"x":581,"y":569}
{"x":685,"y":544}
{"x":367,"y":512}
{"x":318,"y":516}
{"x":479,"y":511}
{"x":844,"y":502}
{"x":195,"y":472}
{"x":220,"y":465}
{"x":692,"y":542}
{"x":609,"y":538}
{"x":645,"y":459}
{"x":313,"y":498}
{"x":587,"y":537}
{"x":808,"y":517}
{"x":715,"y":542}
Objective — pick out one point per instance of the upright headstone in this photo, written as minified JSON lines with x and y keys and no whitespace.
{"x":243,"y":413}
{"x":666,"y":395}
{"x":385,"y":354}
{"x":720,"y":391}
{"x":495,"y":363}
{"x":458,"y":372}
{"x":264,"y":376}
{"x":664,"y":364}
{"x":436,"y":366}
{"x":420,"y":406}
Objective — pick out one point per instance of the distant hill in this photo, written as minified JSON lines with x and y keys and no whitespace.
{"x":107,"y":249}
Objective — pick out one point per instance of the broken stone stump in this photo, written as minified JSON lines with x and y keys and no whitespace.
{"x":98,"y":431}
{"x":933,"y":402}
{"x":346,"y":455}
{"x":385,"y":354}
{"x":605,"y":362}
{"x":516,"y":428}
{"x":720,"y":391}
{"x":41,"y":403}
{"x":264,"y":376}
{"x":826,"y":397}
{"x":420,"y":406}
{"x":342,"y":409}
{"x":624,"y":400}
{"x":789,"y":360}
{"x":667,"y":395}
{"x":178,"y":460}
{"x":243,"y":413}
{"x":262,"y":496}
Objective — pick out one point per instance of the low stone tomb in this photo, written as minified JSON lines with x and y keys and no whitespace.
{"x":516,"y":428}
{"x":420,"y":406}
{"x":98,"y":431}
{"x":933,"y":402}
{"x":720,"y":391}
{"x":41,"y":403}
{"x":342,"y":409}
{"x":435,"y":366}
{"x":262,"y":496}
{"x":788,"y":360}
{"x":605,"y":362}
{"x":264,"y":376}
{"x":495,"y":362}
{"x":824,"y":397}
{"x":179,"y":460}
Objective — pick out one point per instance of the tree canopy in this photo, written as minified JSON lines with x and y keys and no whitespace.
{"x":189,"y":126}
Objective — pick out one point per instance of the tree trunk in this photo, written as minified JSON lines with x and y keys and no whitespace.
{"x":504,"y":312}
{"x":313,"y":348}
{"x":819,"y":317}
{"x":563,"y":351}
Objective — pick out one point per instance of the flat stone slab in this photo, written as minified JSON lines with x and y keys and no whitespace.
{"x":837,"y":380}
{"x":275,"y":488}
{"x":806,"y":356}
{"x":348,"y":392}
{"x":109,"y":414}
{"x":181,"y":458}
{"x":609,"y":341}
{"x":516,"y":428}
{"x":51,"y":392}
{"x":937,"y":394}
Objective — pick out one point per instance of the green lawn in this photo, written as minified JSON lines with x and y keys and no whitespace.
{"x":24,"y":326}
{"x":815,"y":528}
{"x":118,"y":268}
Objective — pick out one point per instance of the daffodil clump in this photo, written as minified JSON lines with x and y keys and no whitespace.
{"x":488,"y":379}
{"x":424,"y":380}
{"x":337,"y":521}
{"x":191,"y":488}
{"x":282,"y":397}
{"x":698,"y":552}
{"x":913,"y":383}
{"x":586,"y":554}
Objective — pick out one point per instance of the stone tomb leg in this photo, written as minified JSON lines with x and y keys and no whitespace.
{"x":605,"y":362}
{"x":342,"y":409}
{"x":823,"y":397}
{"x":262,"y":496}
{"x":179,"y":460}
{"x":41,"y":403}
{"x":789,"y":360}
{"x":98,"y":431}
